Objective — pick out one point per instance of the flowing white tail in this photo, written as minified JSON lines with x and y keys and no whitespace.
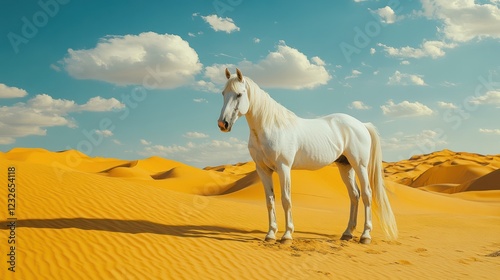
{"x":382,"y":207}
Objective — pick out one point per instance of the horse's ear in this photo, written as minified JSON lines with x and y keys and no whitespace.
{"x":240,"y":76}
{"x":228,"y":74}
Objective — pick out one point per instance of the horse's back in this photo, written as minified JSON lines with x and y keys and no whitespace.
{"x":348,"y":125}
{"x":342,"y":120}
{"x":355,"y":134}
{"x":327,"y":138}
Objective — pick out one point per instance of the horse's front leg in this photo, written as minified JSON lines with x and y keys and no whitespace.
{"x":266,"y":178}
{"x":286,"y":200}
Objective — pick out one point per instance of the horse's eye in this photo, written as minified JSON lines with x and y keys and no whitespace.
{"x":238,"y":95}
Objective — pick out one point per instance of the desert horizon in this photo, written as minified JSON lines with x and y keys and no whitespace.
{"x":84,"y":217}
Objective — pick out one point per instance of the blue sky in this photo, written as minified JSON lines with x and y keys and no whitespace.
{"x":132,"y":79}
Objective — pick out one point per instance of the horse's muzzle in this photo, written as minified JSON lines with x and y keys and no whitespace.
{"x":223,"y":126}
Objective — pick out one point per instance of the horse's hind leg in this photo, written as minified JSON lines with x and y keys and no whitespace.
{"x":366,"y":195}
{"x":349,"y":178}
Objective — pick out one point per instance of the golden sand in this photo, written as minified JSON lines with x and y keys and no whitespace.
{"x":96,"y":218}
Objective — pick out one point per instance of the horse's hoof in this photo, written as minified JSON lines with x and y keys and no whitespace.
{"x":269,"y":239}
{"x":286,"y":241}
{"x":365,"y":240}
{"x":346,"y":237}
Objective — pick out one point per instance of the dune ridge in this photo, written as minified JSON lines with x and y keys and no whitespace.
{"x":447,"y":172}
{"x":81,"y":217}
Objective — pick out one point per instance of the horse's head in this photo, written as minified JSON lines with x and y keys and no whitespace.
{"x":236,"y":101}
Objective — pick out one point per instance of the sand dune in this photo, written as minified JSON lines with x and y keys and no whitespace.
{"x":80,"y":217}
{"x":452,"y":174}
{"x":490,"y":181}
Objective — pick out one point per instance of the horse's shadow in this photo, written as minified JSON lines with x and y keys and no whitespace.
{"x":143,"y":226}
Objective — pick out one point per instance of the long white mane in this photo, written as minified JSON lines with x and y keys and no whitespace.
{"x":264,"y":108}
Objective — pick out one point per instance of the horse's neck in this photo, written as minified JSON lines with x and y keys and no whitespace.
{"x":265,"y":112}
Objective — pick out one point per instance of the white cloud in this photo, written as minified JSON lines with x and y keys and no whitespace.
{"x":55,"y":68}
{"x":354,"y":74}
{"x":491,"y":97}
{"x":495,"y":131}
{"x":105,"y":132}
{"x":359,"y":105}
{"x":405,"y":62}
{"x":194,"y":134}
{"x":318,"y":61}
{"x":256,"y":40}
{"x":226,"y":55}
{"x":426,"y":138}
{"x":41,"y":112}
{"x":160,"y":150}
{"x":99,"y":104}
{"x":448,"y":84}
{"x":46,"y":104}
{"x":221,"y":24}
{"x":447,"y":105}
{"x":433,"y":49}
{"x":205,"y":86}
{"x":117,"y":142}
{"x":215,"y":73}
{"x":191,"y":34}
{"x":200,"y":100}
{"x":465,"y":20}
{"x":285,"y":68}
{"x":405,"y":109}
{"x":372,"y":51}
{"x":149,"y":59}
{"x":11,"y":92}
{"x":6,"y":140}
{"x":386,"y":15}
{"x":399,"y":78}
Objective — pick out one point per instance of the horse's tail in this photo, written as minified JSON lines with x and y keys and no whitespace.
{"x":381,"y":203}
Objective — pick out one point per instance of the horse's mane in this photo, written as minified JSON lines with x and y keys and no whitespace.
{"x":266,"y":109}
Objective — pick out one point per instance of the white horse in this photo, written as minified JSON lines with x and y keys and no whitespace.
{"x":281,"y":141}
